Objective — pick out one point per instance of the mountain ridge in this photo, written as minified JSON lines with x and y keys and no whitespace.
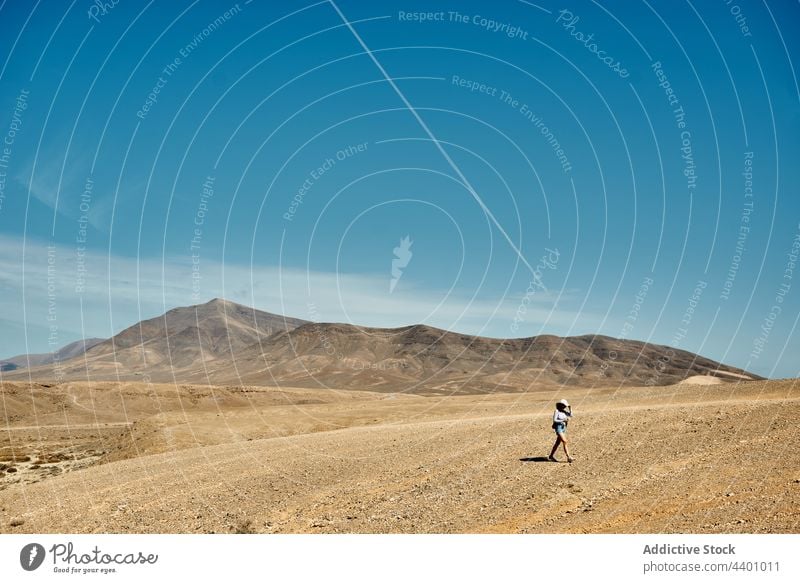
{"x":222,"y":342}
{"x":66,"y":352}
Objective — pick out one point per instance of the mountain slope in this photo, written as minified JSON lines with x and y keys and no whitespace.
{"x":71,"y":350}
{"x":178,"y":344}
{"x":424,"y":359}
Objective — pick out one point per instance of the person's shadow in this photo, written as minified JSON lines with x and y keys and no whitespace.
{"x":534,"y":459}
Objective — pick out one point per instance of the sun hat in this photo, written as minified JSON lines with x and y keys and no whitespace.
{"x":563,"y":402}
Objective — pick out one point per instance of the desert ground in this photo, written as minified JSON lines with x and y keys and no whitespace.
{"x":702,"y":456}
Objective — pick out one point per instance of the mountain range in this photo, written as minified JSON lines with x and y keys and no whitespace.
{"x":223,"y":343}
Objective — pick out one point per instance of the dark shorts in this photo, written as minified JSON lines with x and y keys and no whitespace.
{"x":560,"y":428}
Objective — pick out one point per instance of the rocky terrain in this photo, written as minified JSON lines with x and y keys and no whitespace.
{"x":130,"y":457}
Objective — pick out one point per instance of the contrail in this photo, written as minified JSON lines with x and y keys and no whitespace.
{"x":425,"y":127}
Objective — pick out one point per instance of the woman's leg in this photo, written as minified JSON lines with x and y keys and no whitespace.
{"x":552,"y":455}
{"x":566,"y":451}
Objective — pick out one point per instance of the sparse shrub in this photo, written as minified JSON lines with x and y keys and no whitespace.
{"x":244,"y":527}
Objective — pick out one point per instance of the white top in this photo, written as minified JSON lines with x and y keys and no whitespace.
{"x":561,"y":416}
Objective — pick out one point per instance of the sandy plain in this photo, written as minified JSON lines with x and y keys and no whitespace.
{"x":136,"y":458}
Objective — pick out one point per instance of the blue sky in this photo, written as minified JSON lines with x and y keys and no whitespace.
{"x":568,"y":168}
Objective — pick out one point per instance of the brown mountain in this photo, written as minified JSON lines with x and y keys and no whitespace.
{"x":71,"y":350}
{"x":424,"y":359}
{"x":221,"y":342}
{"x":183,"y":343}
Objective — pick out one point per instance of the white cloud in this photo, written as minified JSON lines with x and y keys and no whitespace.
{"x":119,"y":291}
{"x":62,"y":188}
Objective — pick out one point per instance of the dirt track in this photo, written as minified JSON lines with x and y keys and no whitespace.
{"x":721,"y":458}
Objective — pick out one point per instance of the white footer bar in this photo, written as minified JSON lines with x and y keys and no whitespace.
{"x":388,"y":558}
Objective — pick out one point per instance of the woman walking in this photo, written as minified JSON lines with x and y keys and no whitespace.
{"x":561,"y":418}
